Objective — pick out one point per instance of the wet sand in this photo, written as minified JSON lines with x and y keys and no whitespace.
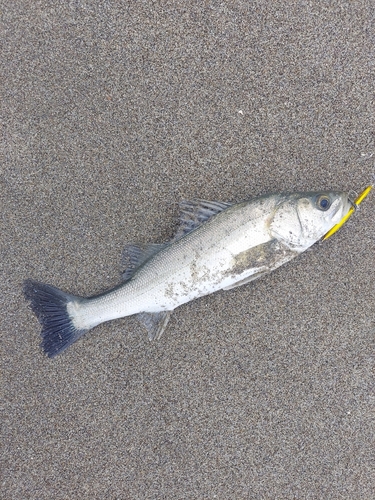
{"x":112,"y":115}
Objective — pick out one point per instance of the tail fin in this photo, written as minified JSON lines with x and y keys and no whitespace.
{"x":50,"y":306}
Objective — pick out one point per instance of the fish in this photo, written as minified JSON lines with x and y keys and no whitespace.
{"x":217,"y":246}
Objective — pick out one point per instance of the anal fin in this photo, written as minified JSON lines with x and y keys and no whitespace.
{"x":155,"y":323}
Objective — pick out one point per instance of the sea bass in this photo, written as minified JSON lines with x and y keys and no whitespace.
{"x":217,"y":246}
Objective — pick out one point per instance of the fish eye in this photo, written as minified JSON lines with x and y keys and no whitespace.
{"x":323,"y":202}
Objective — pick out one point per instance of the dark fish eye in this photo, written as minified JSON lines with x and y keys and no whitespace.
{"x":323,"y":202}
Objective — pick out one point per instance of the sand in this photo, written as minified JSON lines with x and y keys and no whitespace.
{"x":113,"y":112}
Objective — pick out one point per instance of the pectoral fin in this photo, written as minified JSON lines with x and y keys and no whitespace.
{"x":262,"y":259}
{"x":155,"y":323}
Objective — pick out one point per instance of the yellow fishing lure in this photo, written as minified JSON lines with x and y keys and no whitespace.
{"x":357,"y":202}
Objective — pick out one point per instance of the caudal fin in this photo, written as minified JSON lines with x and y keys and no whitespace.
{"x":50,"y":306}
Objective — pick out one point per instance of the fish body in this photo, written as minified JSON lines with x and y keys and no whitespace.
{"x":218,"y":246}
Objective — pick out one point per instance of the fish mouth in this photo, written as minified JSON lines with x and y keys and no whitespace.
{"x":352,"y":196}
{"x":338,"y":205}
{"x":352,"y":208}
{"x":341,"y":206}
{"x":335,"y":210}
{"x":348,"y":203}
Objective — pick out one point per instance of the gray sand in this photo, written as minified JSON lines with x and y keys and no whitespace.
{"x":113,"y":114}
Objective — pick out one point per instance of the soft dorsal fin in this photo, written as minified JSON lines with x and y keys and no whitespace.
{"x":193,"y":213}
{"x":136,"y":255}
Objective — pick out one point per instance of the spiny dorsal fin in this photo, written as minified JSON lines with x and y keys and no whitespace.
{"x":136,"y":255}
{"x":155,"y":323}
{"x":193,"y":213}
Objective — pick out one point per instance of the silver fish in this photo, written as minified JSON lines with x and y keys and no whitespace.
{"x":217,"y":246}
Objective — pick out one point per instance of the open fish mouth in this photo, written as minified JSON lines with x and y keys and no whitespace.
{"x":352,"y":197}
{"x":351,"y":207}
{"x":335,"y":208}
{"x":354,"y":205}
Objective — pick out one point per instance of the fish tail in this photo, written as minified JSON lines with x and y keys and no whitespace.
{"x":50,"y":305}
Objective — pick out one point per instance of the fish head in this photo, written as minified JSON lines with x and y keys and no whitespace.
{"x":301,"y":219}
